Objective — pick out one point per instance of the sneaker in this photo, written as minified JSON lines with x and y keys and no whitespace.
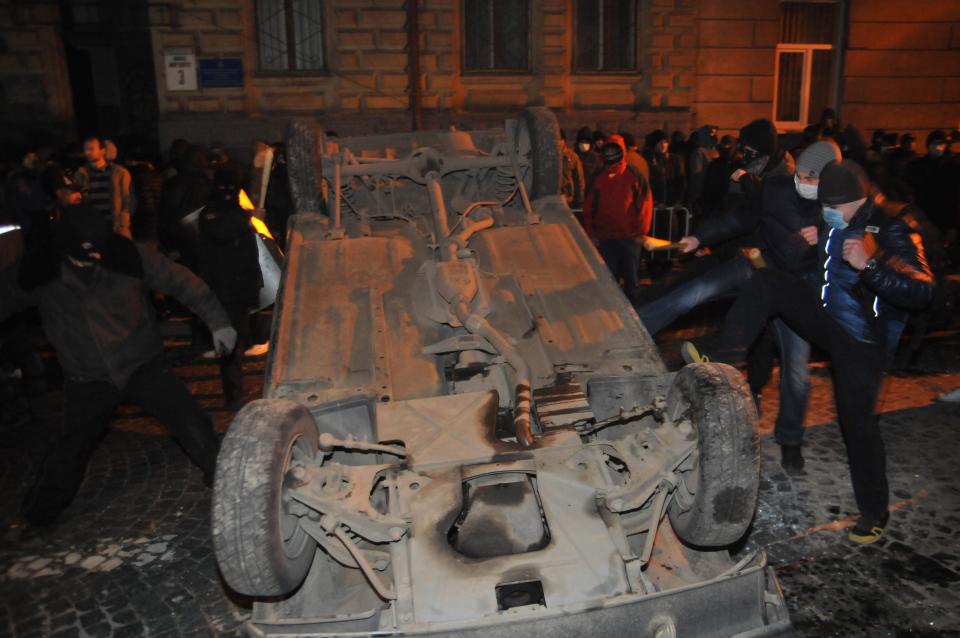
{"x":691,"y":354}
{"x":950,"y":397}
{"x":209,"y":354}
{"x":791,"y":458}
{"x":868,"y":530}
{"x":257,"y":349}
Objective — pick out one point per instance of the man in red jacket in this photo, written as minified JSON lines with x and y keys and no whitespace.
{"x":617,"y":213}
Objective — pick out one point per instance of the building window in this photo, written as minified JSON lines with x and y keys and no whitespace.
{"x":496,"y":34}
{"x":606,"y":35}
{"x":805,"y":78}
{"x":290,"y":35}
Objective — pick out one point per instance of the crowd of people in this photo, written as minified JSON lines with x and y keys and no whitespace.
{"x":830,"y":243}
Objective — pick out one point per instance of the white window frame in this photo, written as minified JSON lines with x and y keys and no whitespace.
{"x":807,"y":51}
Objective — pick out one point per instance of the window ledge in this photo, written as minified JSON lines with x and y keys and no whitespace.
{"x":501,"y":73}
{"x":625,"y":72}
{"x":325,"y":73}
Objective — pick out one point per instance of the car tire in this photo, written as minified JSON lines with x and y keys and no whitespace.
{"x":545,"y":159}
{"x":261,"y":549}
{"x":303,"y":165}
{"x":714,"y":504}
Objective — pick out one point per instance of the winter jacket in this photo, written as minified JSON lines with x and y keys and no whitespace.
{"x":935,"y":182}
{"x":873,"y":305}
{"x":229,"y":257}
{"x":104,"y":327}
{"x":638,"y":164}
{"x":668,"y":178}
{"x":183,"y":194}
{"x":619,"y":204}
{"x":122,"y":201}
{"x":700,"y":158}
{"x":147,"y":185}
{"x":572,"y":184}
{"x":774,"y":219}
{"x":592,"y":164}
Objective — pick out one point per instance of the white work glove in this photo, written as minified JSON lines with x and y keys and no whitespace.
{"x":224,"y":340}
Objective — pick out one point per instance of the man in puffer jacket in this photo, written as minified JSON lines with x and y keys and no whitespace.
{"x":92,"y":292}
{"x":617,"y":213}
{"x":873,"y":274}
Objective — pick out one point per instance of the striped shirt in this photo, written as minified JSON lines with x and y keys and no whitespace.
{"x":100,"y":190}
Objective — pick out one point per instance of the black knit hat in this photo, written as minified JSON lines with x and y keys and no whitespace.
{"x":655,"y":137}
{"x":936,"y":137}
{"x":54,"y":178}
{"x":842,"y":183}
{"x":760,"y":135}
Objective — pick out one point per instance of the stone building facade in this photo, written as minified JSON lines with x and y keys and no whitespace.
{"x":879,"y":63}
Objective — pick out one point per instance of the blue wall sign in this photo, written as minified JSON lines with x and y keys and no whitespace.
{"x":221,"y":73}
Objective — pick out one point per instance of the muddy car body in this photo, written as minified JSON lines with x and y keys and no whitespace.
{"x":465,"y":428}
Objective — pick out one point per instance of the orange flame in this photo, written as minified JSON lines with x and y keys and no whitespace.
{"x":244,"y":200}
{"x":260,"y":227}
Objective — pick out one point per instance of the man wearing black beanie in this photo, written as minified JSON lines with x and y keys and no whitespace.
{"x":873,"y":274}
{"x":91,"y":288}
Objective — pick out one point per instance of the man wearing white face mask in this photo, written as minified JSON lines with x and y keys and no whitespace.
{"x":782,"y":222}
{"x":873,"y":273}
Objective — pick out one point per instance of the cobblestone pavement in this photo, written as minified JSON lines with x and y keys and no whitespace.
{"x":133,"y":554}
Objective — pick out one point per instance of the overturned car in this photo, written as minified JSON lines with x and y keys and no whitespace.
{"x":465,"y":428}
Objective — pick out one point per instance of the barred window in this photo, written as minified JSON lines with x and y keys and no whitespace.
{"x":496,"y":33}
{"x":290,"y":35}
{"x":606,"y":37}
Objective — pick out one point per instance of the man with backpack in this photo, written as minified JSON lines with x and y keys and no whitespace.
{"x":617,"y":213}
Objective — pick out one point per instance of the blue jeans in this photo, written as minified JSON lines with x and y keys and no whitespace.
{"x":725,"y":278}
{"x":622,"y":257}
{"x":794,"y":384}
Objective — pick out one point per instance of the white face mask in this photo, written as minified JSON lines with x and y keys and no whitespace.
{"x":806,"y":191}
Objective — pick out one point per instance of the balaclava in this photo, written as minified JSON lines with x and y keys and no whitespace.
{"x":83,"y":233}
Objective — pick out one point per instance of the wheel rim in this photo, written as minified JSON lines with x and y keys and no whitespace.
{"x":293,"y":537}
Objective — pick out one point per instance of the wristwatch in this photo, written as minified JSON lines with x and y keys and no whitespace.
{"x":870,"y":265}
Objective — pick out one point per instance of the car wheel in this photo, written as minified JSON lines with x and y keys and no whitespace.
{"x":260,"y":547}
{"x":715,"y":501}
{"x":303,"y":165}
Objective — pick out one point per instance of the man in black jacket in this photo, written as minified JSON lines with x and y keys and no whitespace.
{"x":92,"y":294}
{"x":781,"y":222}
{"x":230,"y":265}
{"x":873,"y":273}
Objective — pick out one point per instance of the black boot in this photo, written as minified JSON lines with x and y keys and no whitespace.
{"x":791,"y":459}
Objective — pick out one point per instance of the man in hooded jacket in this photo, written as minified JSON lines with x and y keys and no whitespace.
{"x":617,"y":213}
{"x":92,"y":291}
